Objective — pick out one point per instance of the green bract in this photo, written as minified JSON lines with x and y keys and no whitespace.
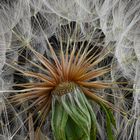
{"x":73,"y":117}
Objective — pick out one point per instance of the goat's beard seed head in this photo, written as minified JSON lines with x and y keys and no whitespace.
{"x":60,"y":76}
{"x":72,"y":67}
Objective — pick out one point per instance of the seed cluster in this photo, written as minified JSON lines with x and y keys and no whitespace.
{"x":64,"y":88}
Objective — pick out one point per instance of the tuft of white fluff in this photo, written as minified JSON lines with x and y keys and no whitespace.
{"x":77,"y":10}
{"x":136,"y":104}
{"x":126,"y":18}
{"x":2,"y":49}
{"x":10,"y":13}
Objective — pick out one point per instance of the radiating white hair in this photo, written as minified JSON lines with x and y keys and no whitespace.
{"x":24,"y":22}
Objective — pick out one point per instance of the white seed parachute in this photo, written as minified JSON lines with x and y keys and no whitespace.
{"x":111,"y":24}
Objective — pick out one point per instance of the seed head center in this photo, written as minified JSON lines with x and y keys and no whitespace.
{"x":64,"y":88}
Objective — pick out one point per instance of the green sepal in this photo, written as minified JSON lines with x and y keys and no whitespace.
{"x":59,"y":120}
{"x":75,"y":105}
{"x":73,"y":132}
{"x":73,"y":117}
{"x":110,"y":120}
{"x":93,"y":131}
